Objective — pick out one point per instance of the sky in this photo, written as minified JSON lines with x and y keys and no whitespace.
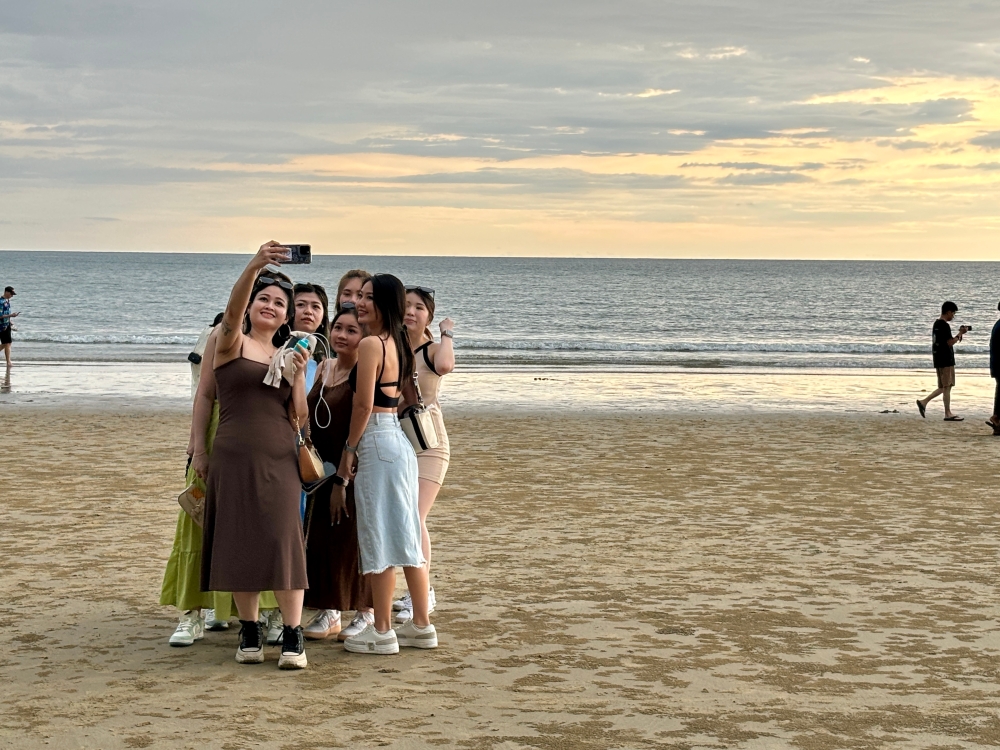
{"x":775,"y":129}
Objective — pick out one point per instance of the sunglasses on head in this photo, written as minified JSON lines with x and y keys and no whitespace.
{"x":425,"y":289}
{"x":267,"y":281}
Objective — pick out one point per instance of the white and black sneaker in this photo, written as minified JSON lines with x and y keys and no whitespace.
{"x":293,"y":648}
{"x":251,"y":649}
{"x":191,"y":628}
{"x":403,"y":603}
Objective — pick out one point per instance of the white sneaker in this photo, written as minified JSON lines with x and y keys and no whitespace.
{"x":404,"y":603}
{"x":410,"y":635}
{"x":323,"y":625}
{"x":406,"y":614}
{"x":370,"y":641}
{"x":274,"y":624}
{"x":361,"y":621}
{"x":211,"y":623}
{"x":191,"y":628}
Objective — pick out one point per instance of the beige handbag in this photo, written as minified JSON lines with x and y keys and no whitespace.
{"x":310,"y":464}
{"x":417,"y":424}
{"x":192,"y":500}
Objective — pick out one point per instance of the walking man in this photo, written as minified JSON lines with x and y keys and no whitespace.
{"x":994,"y":421}
{"x":943,"y":349}
{"x":6,"y":316}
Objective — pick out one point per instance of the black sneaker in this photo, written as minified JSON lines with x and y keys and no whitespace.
{"x":251,"y":650}
{"x":293,"y":648}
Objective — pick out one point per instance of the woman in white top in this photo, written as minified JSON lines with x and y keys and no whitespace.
{"x":431,"y":361}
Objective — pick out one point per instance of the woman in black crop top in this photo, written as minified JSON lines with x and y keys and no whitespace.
{"x":385,"y":487}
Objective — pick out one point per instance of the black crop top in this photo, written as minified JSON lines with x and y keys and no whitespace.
{"x":380,"y":399}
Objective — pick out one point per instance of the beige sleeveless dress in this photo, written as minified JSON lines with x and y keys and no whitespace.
{"x":432,"y":464}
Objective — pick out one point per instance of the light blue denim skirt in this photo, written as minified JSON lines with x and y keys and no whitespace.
{"x":386,"y":493}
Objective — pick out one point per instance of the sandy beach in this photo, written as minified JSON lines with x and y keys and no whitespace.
{"x":668,"y":581}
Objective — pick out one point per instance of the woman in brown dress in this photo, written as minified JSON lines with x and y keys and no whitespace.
{"x":252,"y":538}
{"x":332,"y":552}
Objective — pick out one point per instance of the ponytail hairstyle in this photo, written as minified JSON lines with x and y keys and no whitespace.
{"x":324,"y":326}
{"x":357,"y":273}
{"x":284,"y":331}
{"x":389,"y":298}
{"x":428,"y":301}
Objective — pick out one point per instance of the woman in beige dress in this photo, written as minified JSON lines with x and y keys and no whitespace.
{"x":431,"y":361}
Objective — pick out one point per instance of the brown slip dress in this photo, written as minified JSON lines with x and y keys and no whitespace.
{"x":252,"y":537}
{"x":332,"y":552}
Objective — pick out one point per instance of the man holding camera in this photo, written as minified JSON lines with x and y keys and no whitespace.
{"x":943,"y":349}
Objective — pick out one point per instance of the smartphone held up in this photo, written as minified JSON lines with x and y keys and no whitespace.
{"x":298,"y":254}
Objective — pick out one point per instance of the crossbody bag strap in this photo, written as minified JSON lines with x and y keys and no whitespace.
{"x":416,"y":387}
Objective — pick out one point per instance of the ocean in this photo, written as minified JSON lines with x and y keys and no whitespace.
{"x":638,"y":325}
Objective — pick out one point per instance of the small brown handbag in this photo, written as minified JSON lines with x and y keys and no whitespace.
{"x":310,"y":464}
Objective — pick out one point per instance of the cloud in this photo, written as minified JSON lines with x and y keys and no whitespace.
{"x":757,"y":166}
{"x":538,"y":110}
{"x":987,"y":140}
{"x":764,"y":178}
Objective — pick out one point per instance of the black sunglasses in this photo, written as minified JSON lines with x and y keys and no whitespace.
{"x":425,"y":289}
{"x":267,"y":281}
{"x":348,"y":306}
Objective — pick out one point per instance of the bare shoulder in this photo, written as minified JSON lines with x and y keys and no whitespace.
{"x":370,"y":344}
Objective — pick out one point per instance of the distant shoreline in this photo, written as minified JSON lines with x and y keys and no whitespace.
{"x":474,"y":390}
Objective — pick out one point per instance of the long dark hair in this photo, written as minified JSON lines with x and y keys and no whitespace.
{"x":283,"y":332}
{"x":389,"y":297}
{"x":324,"y":327}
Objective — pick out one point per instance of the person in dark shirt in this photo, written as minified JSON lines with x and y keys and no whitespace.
{"x":994,"y":421}
{"x":943,"y":350}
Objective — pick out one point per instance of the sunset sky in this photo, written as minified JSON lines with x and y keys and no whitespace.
{"x":807,"y":129}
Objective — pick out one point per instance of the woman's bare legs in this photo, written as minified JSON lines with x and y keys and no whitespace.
{"x":384,"y":586}
{"x":247,"y":604}
{"x":418,"y":581}
{"x":290,"y":604}
{"x":428,"y":494}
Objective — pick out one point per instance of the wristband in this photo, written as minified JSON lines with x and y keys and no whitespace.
{"x":449,"y":334}
{"x":349,"y":449}
{"x":339,"y":480}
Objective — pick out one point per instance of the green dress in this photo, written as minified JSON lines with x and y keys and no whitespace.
{"x":182,"y":578}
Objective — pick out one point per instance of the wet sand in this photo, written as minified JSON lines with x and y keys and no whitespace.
{"x":642,"y":582}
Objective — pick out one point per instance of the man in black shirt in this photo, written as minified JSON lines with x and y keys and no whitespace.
{"x":994,"y":421}
{"x":943,"y":349}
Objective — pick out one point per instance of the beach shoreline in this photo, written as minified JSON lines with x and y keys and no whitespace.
{"x":604,"y":580}
{"x":530,"y":390}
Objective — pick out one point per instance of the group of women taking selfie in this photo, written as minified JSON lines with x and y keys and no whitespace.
{"x":264,"y":542}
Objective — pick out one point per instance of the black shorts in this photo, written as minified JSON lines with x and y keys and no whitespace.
{"x":5,"y":335}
